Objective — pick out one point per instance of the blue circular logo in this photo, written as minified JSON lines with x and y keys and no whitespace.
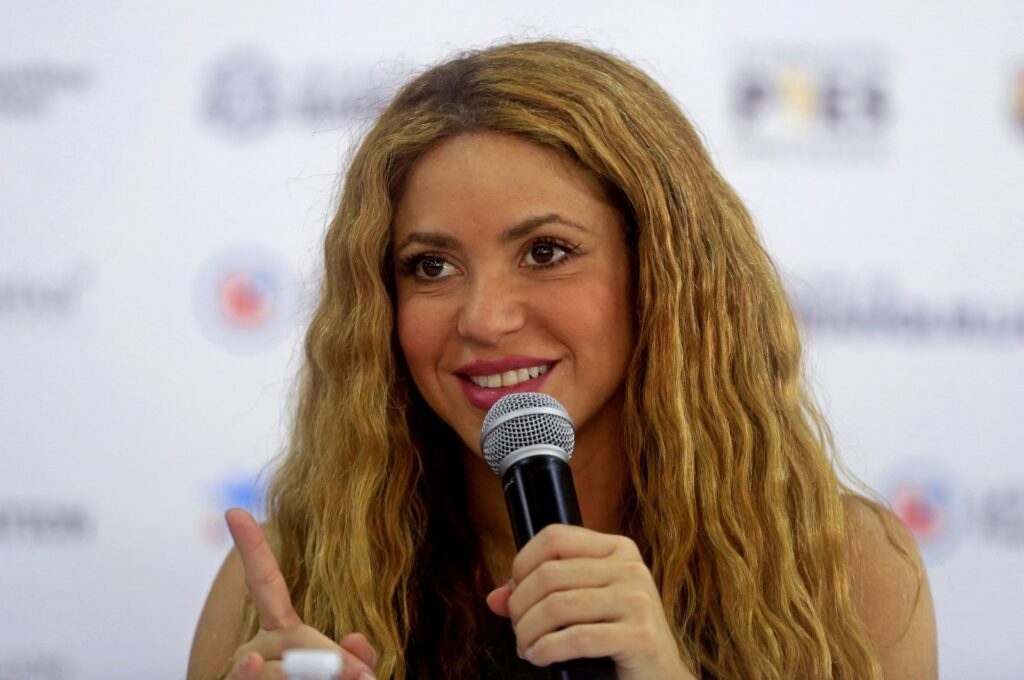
{"x":236,"y":489}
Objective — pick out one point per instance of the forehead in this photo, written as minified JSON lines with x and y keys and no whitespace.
{"x":486,"y":177}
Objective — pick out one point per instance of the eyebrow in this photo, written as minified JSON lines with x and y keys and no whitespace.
{"x":513,"y":233}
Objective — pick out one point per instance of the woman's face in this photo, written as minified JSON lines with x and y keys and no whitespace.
{"x":512,"y":275}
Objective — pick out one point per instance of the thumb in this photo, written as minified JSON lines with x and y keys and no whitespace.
{"x":497,"y":599}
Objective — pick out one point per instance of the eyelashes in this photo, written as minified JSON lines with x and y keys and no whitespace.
{"x":420,"y":264}
{"x":542,"y":253}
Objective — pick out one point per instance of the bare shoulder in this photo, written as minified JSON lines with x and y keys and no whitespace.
{"x":220,"y":630}
{"x":891,"y":592}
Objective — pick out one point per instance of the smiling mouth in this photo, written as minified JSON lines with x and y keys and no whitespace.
{"x":508,"y":378}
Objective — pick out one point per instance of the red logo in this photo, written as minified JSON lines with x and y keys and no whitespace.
{"x":933,"y":503}
{"x":921,"y":511}
{"x":246,"y":299}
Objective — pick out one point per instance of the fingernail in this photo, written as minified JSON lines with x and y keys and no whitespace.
{"x":528,"y":655}
{"x":367,"y":675}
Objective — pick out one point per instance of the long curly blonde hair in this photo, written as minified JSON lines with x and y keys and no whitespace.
{"x":735,"y":502}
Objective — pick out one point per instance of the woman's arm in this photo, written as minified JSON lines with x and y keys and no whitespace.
{"x":893,"y":602}
{"x":219,"y":632}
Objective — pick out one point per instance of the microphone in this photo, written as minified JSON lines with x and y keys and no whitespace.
{"x":527,"y":438}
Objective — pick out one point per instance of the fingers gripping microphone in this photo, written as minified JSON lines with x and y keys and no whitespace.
{"x":527,"y":439}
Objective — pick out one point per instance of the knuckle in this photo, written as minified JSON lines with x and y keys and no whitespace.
{"x":545,"y":533}
{"x":548,"y":574}
{"x":636,"y":571}
{"x":637,"y":600}
{"x":581,"y":640}
{"x":559,"y":605}
{"x":627,"y":545}
{"x":559,"y":529}
{"x":268,"y":578}
{"x":645,"y":638}
{"x":552,"y":534}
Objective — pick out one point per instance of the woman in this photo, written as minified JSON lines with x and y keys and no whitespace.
{"x":542,"y":217}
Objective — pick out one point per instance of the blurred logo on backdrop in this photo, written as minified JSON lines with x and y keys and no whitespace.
{"x":813,"y":103}
{"x":246,"y":94}
{"x":40,"y":523}
{"x":51,"y":295}
{"x":32,"y":90}
{"x":245,"y":298}
{"x":34,"y":665}
{"x":1001,"y":515}
{"x":933,"y":503}
{"x":234,"y":490}
{"x":242,"y":94}
{"x":841,"y":305}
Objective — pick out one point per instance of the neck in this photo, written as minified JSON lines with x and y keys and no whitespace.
{"x":598,"y":474}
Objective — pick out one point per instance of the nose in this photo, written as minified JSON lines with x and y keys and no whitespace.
{"x":493,"y":307}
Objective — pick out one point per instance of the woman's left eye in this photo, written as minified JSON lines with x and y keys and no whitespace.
{"x":547,"y":253}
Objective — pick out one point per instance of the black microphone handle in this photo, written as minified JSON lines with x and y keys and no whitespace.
{"x":539,"y":491}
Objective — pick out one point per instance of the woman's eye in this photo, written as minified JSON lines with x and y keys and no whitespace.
{"x":544,"y":254}
{"x":433,"y":267}
{"x":427,"y":267}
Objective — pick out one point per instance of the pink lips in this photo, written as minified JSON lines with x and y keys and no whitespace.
{"x":484,"y":397}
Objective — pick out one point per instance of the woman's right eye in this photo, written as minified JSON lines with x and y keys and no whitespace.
{"x":428,"y":267}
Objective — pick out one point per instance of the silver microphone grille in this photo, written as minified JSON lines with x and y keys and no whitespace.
{"x":525,"y":419}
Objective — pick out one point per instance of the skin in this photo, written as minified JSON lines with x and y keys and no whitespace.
{"x":900,"y":619}
{"x":571,"y":591}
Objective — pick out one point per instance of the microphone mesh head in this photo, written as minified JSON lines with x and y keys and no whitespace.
{"x":525,"y":419}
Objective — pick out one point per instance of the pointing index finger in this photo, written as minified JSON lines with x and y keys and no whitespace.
{"x":266,"y":584}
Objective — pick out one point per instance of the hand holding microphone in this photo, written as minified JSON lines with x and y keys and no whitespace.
{"x":581,"y":602}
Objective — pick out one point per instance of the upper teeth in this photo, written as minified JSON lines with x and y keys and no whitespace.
{"x":509,"y":378}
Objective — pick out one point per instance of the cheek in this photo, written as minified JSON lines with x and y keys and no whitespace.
{"x":421,"y":336}
{"x":600,"y":317}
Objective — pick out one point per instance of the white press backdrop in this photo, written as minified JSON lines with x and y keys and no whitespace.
{"x":167,"y":169}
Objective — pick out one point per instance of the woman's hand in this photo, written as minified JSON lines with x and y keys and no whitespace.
{"x":280,"y":627}
{"x":579,"y":593}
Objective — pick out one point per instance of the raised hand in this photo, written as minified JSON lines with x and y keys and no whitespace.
{"x":280,"y":627}
{"x":579,"y":593}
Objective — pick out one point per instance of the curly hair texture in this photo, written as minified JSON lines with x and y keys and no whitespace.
{"x":735,"y":500}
